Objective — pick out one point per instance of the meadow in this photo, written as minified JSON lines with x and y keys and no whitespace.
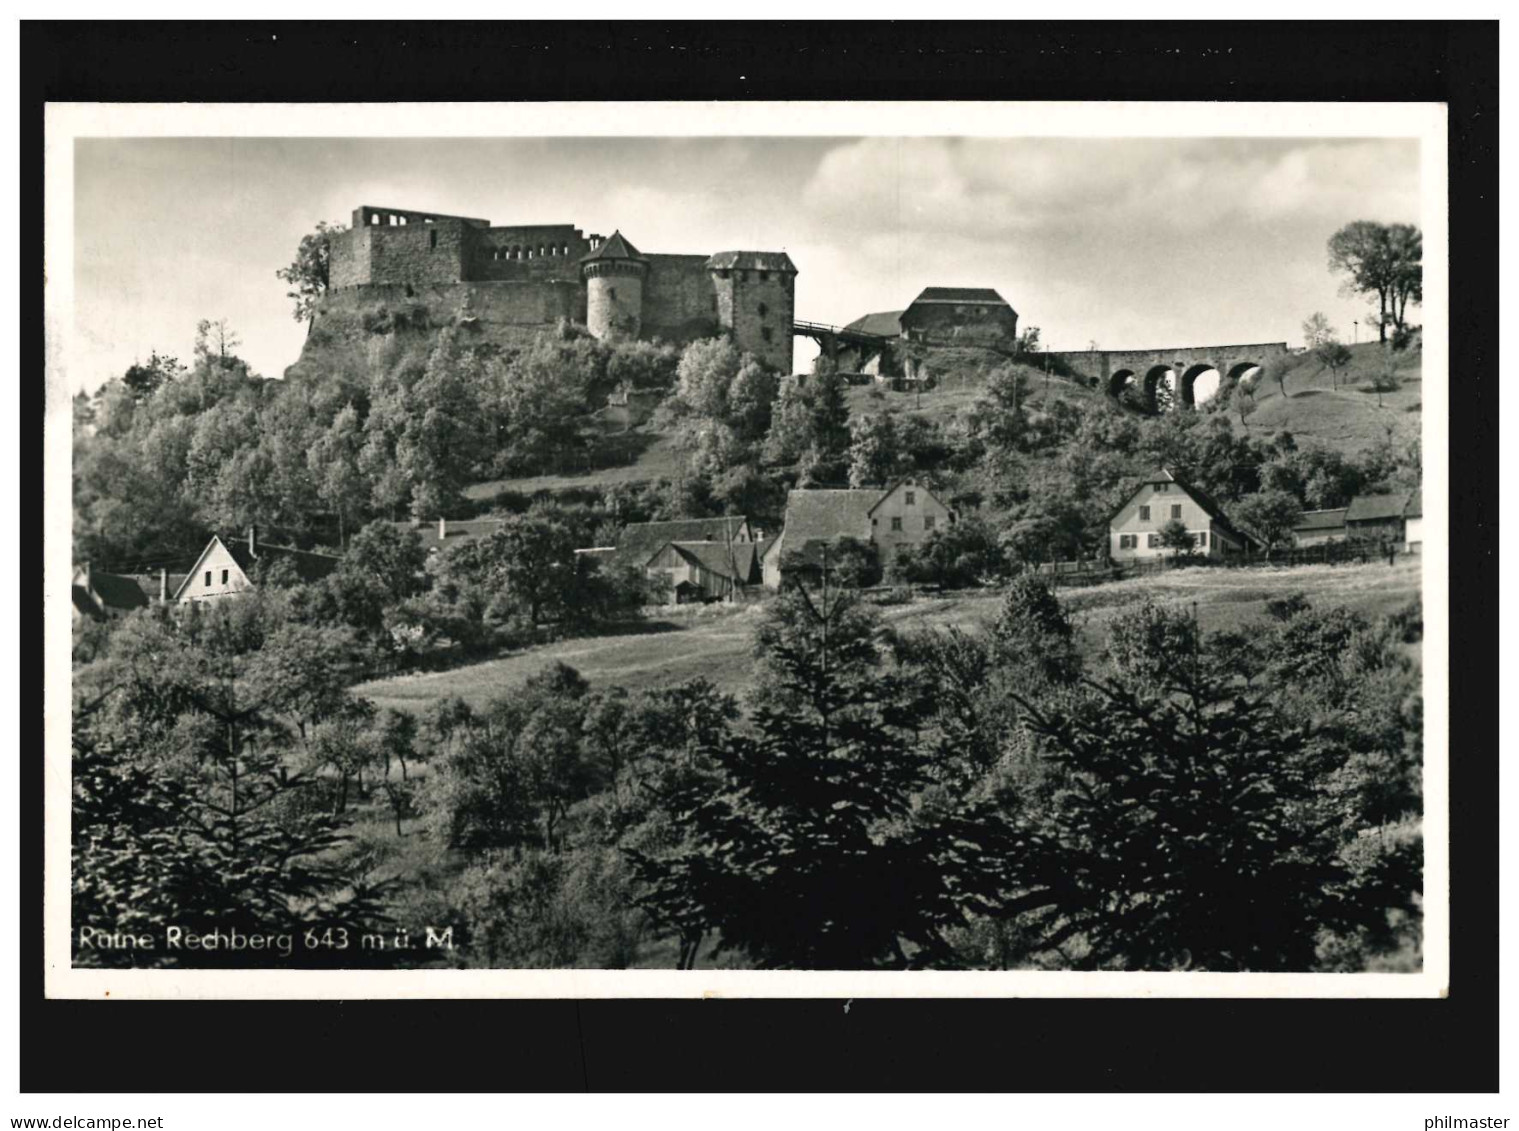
{"x":715,"y":642}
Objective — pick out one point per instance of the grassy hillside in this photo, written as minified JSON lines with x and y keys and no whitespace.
{"x":715,"y":642}
{"x":1341,"y":412}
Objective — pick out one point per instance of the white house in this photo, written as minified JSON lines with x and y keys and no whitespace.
{"x":224,"y":570}
{"x":1163,"y":497}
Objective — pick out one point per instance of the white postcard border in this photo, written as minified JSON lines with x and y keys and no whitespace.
{"x":66,"y":122}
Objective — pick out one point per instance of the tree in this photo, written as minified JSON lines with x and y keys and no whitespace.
{"x":1189,"y":837}
{"x":845,"y":561}
{"x":527,"y":565}
{"x":805,"y":854}
{"x":707,"y":370}
{"x":1333,"y":356}
{"x":1277,"y":371}
{"x":1175,"y":536}
{"x":1385,"y":380}
{"x":1149,"y":642}
{"x":1034,"y":633}
{"x":198,"y":722}
{"x":1380,"y":259}
{"x":144,"y":380}
{"x":1028,"y":340}
{"x":876,"y":452}
{"x":309,"y":273}
{"x":216,"y":343}
{"x":508,"y":775}
{"x":1317,"y":330}
{"x":1243,"y":400}
{"x":382,"y":567}
{"x":1270,"y":515}
{"x":958,"y":556}
{"x":334,"y":463}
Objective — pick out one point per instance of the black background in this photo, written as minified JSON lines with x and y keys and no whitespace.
{"x":1341,"y":1046}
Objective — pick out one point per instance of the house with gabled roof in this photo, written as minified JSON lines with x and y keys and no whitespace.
{"x":906,"y":513}
{"x":1162,"y":497}
{"x":1384,"y":518}
{"x":1314,"y":528}
{"x":225,"y":569}
{"x":701,"y":558}
{"x":952,"y":315}
{"x":639,"y":541}
{"x":705,"y":571}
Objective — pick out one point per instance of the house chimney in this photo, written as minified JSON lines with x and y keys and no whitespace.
{"x":442,"y":529}
{"x":163,"y":585}
{"x":253,"y":540}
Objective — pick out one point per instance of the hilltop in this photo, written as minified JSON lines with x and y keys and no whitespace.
{"x":379,"y":328}
{"x":1341,"y":411}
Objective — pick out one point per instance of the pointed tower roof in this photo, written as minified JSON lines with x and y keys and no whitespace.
{"x":615,"y":246}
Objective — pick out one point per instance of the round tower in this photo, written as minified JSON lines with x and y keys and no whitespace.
{"x":614,"y":273}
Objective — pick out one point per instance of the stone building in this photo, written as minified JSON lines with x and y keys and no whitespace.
{"x":906,"y":513}
{"x":534,"y":275}
{"x":898,"y":343}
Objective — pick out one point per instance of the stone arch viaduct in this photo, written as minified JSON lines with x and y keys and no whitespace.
{"x":1111,"y":370}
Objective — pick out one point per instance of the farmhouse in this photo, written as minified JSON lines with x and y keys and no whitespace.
{"x":701,"y":559}
{"x":1383,"y":518}
{"x":640,"y":541}
{"x":225,"y":570}
{"x":1134,"y":529}
{"x":904,"y":514}
{"x":704,"y":571}
{"x":1314,"y":528}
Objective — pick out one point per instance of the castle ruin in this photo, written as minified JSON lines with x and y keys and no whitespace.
{"x":535,"y":275}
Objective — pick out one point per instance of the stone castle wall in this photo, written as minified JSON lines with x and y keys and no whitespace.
{"x":972,"y":325}
{"x":550,"y":251}
{"x":522,"y":303}
{"x":679,"y":302}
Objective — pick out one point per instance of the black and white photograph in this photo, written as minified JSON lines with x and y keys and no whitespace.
{"x":580,"y":549}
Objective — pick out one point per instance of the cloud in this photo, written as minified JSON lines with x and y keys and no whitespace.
{"x":1006,"y":187}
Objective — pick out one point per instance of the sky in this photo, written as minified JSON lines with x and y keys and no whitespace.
{"x":1130,"y":243}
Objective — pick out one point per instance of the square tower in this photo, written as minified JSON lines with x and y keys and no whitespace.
{"x":756,"y":302}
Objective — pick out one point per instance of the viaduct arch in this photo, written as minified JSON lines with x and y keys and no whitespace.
{"x":1111,"y":370}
